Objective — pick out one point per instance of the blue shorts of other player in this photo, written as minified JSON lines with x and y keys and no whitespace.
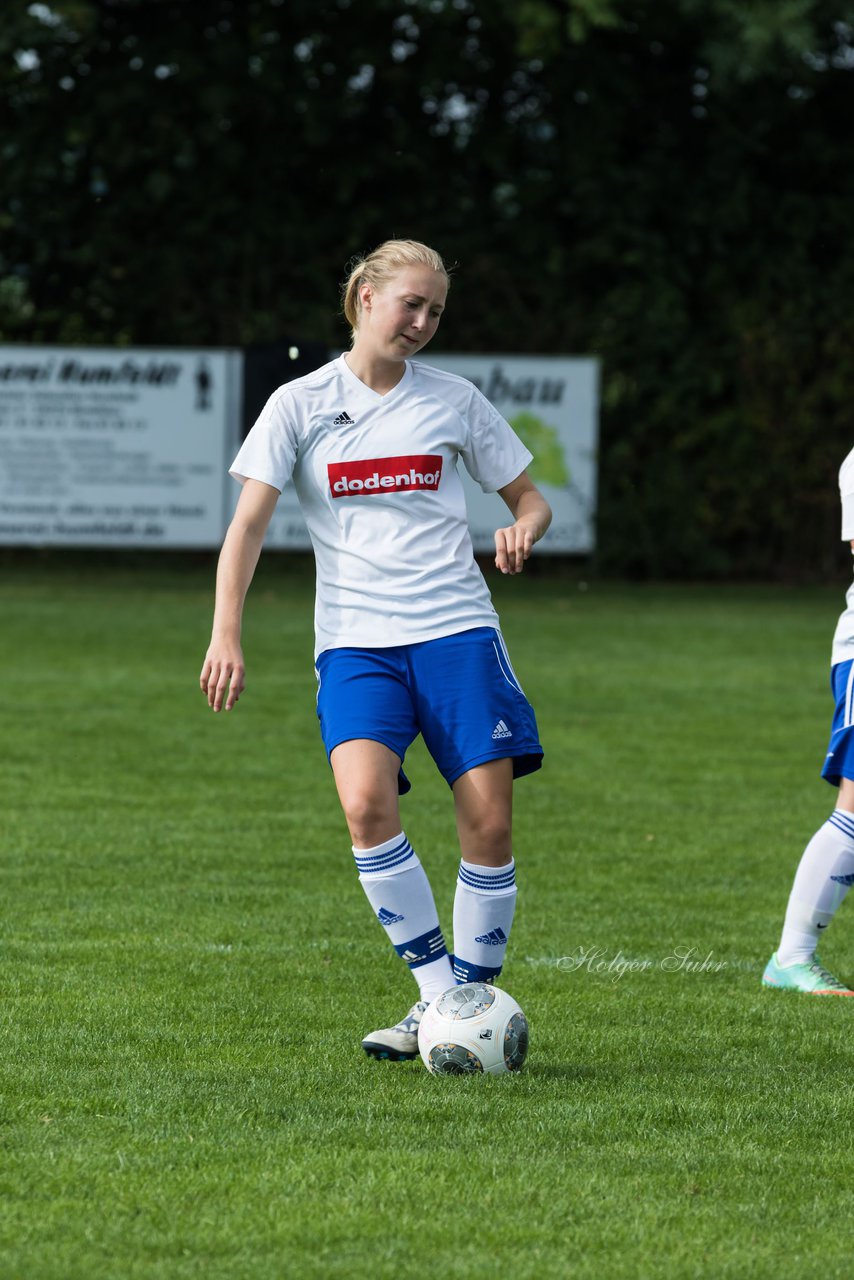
{"x":839,"y":761}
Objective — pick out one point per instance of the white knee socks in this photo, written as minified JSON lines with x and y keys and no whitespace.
{"x":823,"y":878}
{"x":397,"y":888}
{"x":484,"y":904}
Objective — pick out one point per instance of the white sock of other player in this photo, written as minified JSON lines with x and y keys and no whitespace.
{"x":397,"y":888}
{"x":824,"y":876}
{"x":484,"y":904}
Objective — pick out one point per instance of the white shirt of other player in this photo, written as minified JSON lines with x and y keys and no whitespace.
{"x":377,"y":482}
{"x":843,"y":640}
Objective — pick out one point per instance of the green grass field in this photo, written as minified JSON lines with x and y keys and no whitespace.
{"x":189,"y":962}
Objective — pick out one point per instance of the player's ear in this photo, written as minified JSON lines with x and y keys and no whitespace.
{"x":366,"y":295}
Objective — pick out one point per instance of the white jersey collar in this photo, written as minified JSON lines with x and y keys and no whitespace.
{"x":357,"y":383}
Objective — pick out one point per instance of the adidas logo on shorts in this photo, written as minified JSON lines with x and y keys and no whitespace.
{"x":501,"y":731}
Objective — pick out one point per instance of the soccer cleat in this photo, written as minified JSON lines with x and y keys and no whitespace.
{"x":810,"y":979}
{"x":400,"y":1042}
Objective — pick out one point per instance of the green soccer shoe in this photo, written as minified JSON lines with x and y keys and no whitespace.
{"x":810,"y":979}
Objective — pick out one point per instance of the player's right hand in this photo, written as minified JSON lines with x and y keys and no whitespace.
{"x":223,"y":677}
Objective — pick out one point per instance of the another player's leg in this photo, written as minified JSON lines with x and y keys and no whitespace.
{"x":823,"y":878}
{"x":394,"y":881}
{"x":485,"y":899}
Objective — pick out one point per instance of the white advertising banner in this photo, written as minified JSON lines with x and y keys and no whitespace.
{"x":552,"y":403}
{"x":116,"y":447}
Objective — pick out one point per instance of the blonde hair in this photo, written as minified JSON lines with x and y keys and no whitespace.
{"x":379,"y":267}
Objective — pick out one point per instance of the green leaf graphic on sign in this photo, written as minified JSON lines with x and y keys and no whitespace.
{"x":549,"y":465}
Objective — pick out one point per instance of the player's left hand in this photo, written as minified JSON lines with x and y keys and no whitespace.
{"x":512,"y":547}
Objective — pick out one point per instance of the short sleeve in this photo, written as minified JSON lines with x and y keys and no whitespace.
{"x":269,"y":451}
{"x":493,"y":454}
{"x":846,"y":490}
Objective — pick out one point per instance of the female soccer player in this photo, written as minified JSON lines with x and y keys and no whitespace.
{"x":826,"y":870}
{"x":406,"y":636}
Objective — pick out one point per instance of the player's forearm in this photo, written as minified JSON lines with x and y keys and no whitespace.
{"x":532,"y":511}
{"x":237,"y":563}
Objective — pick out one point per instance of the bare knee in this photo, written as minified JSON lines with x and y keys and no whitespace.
{"x":845,"y":799}
{"x":366,"y":778}
{"x":484,"y":803}
{"x":371,"y":819}
{"x":486,"y":838}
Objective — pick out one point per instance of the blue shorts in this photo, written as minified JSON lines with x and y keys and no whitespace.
{"x":459,"y":692}
{"x":839,"y":761}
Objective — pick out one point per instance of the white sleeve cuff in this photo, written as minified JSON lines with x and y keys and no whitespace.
{"x":847,"y":517}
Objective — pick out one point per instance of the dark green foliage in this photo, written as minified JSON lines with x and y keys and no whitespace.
{"x":666,"y":185}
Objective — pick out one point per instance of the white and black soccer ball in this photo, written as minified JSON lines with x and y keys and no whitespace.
{"x":471,"y":1029}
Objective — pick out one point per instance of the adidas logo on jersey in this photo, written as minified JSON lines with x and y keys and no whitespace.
{"x":388,"y":917}
{"x":343,"y":420}
{"x":495,"y":938}
{"x":501,"y":731}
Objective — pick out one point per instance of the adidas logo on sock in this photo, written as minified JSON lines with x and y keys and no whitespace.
{"x":495,"y":938}
{"x":388,"y":917}
{"x":343,"y":420}
{"x":846,"y":881}
{"x":501,"y":731}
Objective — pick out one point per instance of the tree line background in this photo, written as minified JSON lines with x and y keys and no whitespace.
{"x":666,"y":185}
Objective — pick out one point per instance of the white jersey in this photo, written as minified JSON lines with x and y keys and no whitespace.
{"x":377,"y":481}
{"x":843,"y":640}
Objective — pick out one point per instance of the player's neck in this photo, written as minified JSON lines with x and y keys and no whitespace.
{"x":380,"y":375}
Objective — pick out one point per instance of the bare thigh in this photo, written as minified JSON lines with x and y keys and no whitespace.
{"x":483,"y":799}
{"x":366,"y":777}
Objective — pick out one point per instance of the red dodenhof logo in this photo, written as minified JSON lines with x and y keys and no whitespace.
{"x":383,"y":475}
